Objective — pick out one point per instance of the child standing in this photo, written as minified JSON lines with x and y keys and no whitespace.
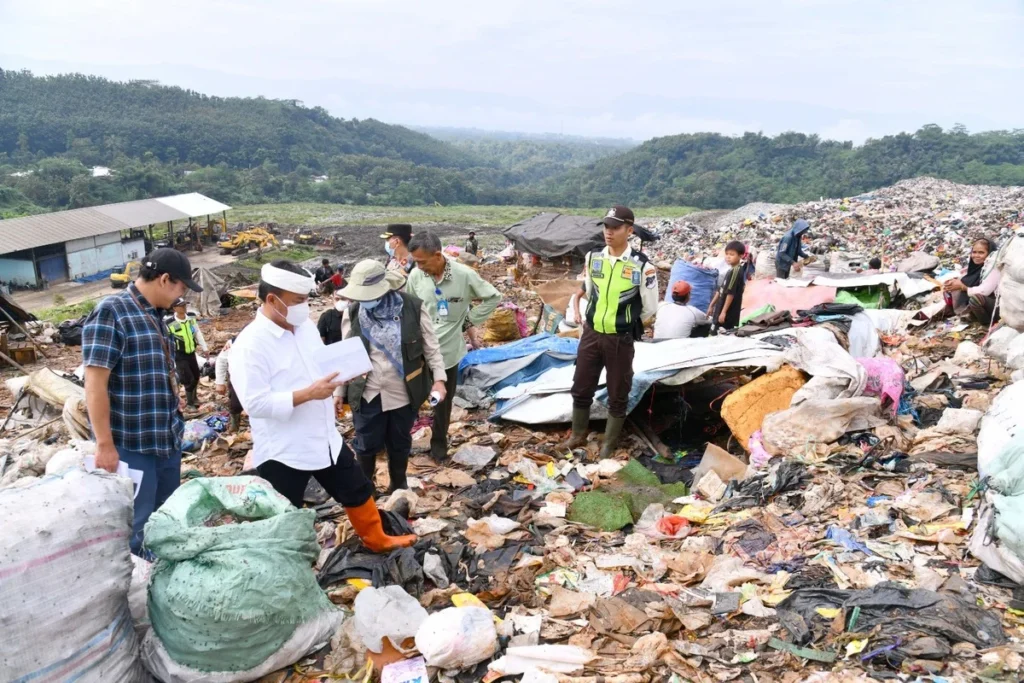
{"x":725,"y":307}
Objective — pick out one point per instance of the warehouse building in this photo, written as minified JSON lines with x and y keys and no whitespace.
{"x":81,"y":243}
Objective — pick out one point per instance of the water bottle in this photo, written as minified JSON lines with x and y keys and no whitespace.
{"x":434,"y":399}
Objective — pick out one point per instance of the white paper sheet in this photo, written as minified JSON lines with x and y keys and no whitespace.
{"x":122,"y":471}
{"x":348,"y":358}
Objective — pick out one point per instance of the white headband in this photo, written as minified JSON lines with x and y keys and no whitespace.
{"x":287,"y":280}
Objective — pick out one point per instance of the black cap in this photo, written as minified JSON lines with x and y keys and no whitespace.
{"x":402,"y":230}
{"x":174,"y":263}
{"x":617,"y":215}
{"x":179,"y":303}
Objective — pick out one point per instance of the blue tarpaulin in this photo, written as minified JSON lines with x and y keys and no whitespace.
{"x":521,"y":361}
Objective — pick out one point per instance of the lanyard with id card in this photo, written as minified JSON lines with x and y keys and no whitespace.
{"x":442,"y":303}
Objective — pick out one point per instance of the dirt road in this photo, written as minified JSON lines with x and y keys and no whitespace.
{"x":76,"y":293}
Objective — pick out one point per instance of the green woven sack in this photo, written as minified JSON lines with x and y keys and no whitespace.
{"x":233,"y":577}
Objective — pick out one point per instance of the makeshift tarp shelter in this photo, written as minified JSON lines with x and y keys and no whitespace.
{"x":550,"y":235}
{"x":207,"y":302}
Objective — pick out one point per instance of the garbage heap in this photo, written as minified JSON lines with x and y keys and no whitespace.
{"x":921,"y":214}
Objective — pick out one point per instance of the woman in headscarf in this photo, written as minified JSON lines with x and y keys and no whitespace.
{"x":790,"y":249}
{"x":975,"y":291}
{"x":407,"y":366}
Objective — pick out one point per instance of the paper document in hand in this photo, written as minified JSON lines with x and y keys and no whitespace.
{"x":348,"y":358}
{"x":122,"y":471}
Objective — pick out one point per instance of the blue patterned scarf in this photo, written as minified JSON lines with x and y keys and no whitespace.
{"x":382,"y":327}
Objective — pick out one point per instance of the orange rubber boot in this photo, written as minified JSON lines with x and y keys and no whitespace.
{"x":367,"y":524}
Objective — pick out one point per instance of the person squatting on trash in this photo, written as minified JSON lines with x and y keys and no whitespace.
{"x":274,"y":369}
{"x":130,"y":387}
{"x":187,"y":338}
{"x":621,"y":289}
{"x":223,"y":386}
{"x":397,"y":330}
{"x":448,"y":288}
{"x":791,"y":249}
{"x":974,"y":292}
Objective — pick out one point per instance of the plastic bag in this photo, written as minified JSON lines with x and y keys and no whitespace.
{"x":457,"y":637}
{"x":223,"y":546}
{"x":65,"y":569}
{"x":998,"y":344}
{"x":501,"y":326}
{"x":1000,"y":425}
{"x":390,"y":613}
{"x":197,"y":432}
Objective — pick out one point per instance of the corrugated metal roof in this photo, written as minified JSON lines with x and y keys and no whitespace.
{"x":17,"y":234}
{"x":52,"y":228}
{"x":194,"y":204}
{"x":141,"y":213}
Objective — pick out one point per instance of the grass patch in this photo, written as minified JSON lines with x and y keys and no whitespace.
{"x":470,"y":216}
{"x":58,"y":314}
{"x":294,"y":253}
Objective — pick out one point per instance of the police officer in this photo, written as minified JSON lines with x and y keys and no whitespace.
{"x":187,"y":336}
{"x":621,"y":289}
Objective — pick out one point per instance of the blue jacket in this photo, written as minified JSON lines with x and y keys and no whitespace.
{"x":790,"y":248}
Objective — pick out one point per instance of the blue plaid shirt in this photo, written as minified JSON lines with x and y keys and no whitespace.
{"x":119,"y":336}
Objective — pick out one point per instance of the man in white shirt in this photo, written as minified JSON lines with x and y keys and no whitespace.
{"x":677,"y":318}
{"x":274,"y":370}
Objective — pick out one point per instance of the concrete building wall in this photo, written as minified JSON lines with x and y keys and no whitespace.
{"x":17,"y":270}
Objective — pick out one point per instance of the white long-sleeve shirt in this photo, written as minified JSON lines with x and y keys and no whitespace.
{"x":267,"y":364}
{"x":676,"y":321}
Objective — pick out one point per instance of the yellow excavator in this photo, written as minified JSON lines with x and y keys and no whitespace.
{"x":129,"y":274}
{"x":254,"y":238}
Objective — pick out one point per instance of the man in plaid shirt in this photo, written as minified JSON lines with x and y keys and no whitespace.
{"x":130,"y":390}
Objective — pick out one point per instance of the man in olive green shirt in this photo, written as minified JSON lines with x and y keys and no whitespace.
{"x":447,"y":289}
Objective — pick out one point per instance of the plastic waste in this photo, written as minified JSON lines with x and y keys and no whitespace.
{"x":457,"y":637}
{"x":407,"y":671}
{"x":564,"y":659}
{"x":474,"y":457}
{"x":390,"y":613}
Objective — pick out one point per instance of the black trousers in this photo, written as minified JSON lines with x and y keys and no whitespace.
{"x":390,"y":430}
{"x":187,"y":367}
{"x":782,"y":272}
{"x":344,"y":480}
{"x":443,"y":417}
{"x":234,"y":405}
{"x":611,"y":352}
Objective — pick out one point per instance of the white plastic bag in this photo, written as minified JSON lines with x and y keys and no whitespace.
{"x":65,"y":569}
{"x":387,"y":612}
{"x":457,"y":637}
{"x":999,"y":425}
{"x":999,"y":342}
{"x":962,"y":421}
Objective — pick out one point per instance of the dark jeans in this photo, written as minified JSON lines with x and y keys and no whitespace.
{"x":443,"y":417}
{"x":160,"y":478}
{"x":390,"y":430}
{"x":344,"y":480}
{"x":782,"y":272}
{"x":188,"y":370}
{"x":611,"y":352}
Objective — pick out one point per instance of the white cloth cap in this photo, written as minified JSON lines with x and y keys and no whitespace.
{"x":287,"y":280}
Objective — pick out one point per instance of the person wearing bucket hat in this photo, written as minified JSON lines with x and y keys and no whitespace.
{"x":397,"y":330}
{"x":396,"y":243}
{"x":274,"y":369}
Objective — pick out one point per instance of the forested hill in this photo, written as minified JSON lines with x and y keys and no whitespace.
{"x":714,"y":171}
{"x":97,"y":120}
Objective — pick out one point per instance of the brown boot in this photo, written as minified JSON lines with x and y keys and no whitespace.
{"x":368,"y":526}
{"x":580,"y":422}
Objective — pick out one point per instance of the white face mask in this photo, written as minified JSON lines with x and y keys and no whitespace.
{"x":389,"y":249}
{"x":297,"y":314}
{"x":339,"y":306}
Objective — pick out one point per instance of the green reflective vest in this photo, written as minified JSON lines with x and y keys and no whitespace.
{"x":615,"y":305}
{"x":184,"y":336}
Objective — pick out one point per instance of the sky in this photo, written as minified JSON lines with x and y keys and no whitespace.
{"x":846,"y":70}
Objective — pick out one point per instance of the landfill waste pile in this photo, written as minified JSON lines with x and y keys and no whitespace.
{"x":921,"y":214}
{"x":836,"y":497}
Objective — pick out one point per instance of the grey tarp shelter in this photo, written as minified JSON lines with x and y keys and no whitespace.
{"x":550,"y":235}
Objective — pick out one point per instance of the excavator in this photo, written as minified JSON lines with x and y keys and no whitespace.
{"x":242,"y":241}
{"x":129,"y":274}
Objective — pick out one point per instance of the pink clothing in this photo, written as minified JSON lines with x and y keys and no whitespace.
{"x":988,"y":286}
{"x":885,"y":380}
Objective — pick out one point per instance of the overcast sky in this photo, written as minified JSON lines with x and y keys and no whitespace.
{"x":845,"y":69}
